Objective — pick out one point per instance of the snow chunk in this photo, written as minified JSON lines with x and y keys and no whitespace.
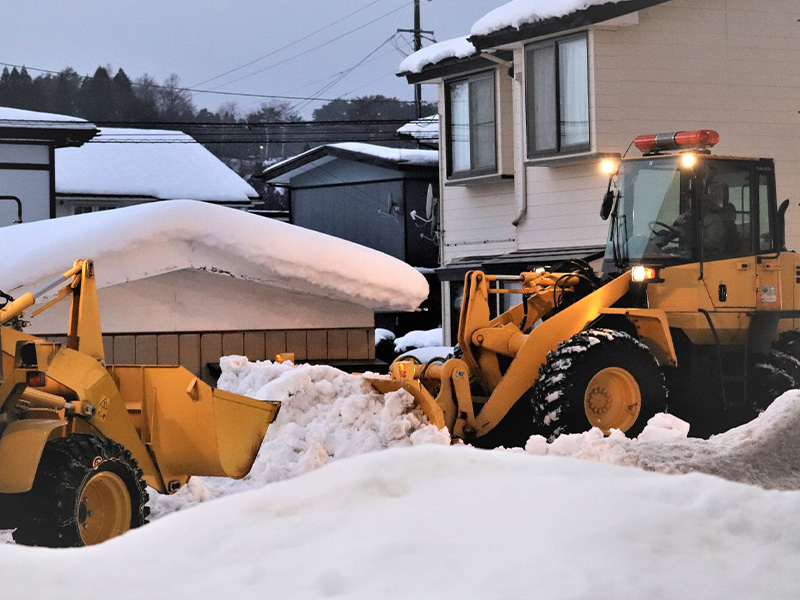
{"x":435,"y":53}
{"x":141,"y":241}
{"x":523,"y":12}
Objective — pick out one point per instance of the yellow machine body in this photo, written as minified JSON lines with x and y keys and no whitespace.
{"x":174,"y":424}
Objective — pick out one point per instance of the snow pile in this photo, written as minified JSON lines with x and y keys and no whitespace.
{"x":763,"y":452}
{"x":419,"y":339}
{"x":383,"y":334}
{"x":149,"y":163}
{"x":423,"y":355}
{"x":141,"y":241}
{"x":522,"y":12}
{"x":436,"y":53}
{"x":434,"y":522}
{"x":325,"y":415}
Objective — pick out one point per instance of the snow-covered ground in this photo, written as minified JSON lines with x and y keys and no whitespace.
{"x":420,"y":519}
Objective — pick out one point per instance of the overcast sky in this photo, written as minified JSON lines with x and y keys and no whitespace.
{"x":202,"y":39}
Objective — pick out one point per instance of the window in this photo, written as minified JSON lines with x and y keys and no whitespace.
{"x":557,"y":96}
{"x":471,"y":131}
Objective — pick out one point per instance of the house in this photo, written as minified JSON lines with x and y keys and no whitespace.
{"x":539,"y":92}
{"x":122,"y":167}
{"x":28,"y":140}
{"x":183,"y":282}
{"x":379,"y":197}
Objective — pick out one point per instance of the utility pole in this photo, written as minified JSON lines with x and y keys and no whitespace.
{"x":417,"y":31}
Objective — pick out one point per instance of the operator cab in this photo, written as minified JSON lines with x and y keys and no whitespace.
{"x":679,"y":204}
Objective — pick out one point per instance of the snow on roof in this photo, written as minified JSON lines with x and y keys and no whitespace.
{"x":397,"y":155}
{"x":522,"y":12}
{"x":12,"y":116}
{"x":436,"y":53}
{"x":400,"y":157}
{"x":159,"y":237}
{"x":152,"y":163}
{"x":426,"y":128}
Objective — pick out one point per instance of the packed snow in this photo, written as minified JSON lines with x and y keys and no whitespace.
{"x":141,"y":241}
{"x":436,"y":53}
{"x":148,"y":163}
{"x":522,"y":12}
{"x":323,"y":513}
{"x":419,"y":339}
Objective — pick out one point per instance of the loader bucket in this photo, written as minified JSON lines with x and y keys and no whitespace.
{"x":422,"y":397}
{"x":190,"y":427}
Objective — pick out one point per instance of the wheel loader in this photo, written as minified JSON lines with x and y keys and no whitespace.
{"x":79,"y":439}
{"x":693,"y":311}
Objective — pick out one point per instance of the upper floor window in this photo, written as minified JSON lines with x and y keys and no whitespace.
{"x":557,"y":96}
{"x":471,"y":132}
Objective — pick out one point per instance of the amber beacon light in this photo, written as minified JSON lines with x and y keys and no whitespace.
{"x":702,"y":139}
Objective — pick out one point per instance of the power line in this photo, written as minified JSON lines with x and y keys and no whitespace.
{"x":302,"y":39}
{"x":316,"y":47}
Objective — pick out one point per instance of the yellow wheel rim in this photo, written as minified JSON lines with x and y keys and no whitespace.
{"x":104,"y":508}
{"x":612,"y":400}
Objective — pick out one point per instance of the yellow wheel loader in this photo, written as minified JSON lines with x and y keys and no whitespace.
{"x":696,"y":287}
{"x":79,"y":440}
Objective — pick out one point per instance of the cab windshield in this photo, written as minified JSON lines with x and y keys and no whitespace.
{"x":663,"y":208}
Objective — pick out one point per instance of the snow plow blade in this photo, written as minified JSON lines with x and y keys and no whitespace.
{"x":190,"y":427}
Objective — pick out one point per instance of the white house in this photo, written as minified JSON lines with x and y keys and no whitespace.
{"x":28,"y":140}
{"x":540,"y":91}
{"x":187,"y":282}
{"x":122,"y":167}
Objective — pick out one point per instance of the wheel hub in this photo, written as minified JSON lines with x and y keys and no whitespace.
{"x":104,"y":508}
{"x":612,"y":400}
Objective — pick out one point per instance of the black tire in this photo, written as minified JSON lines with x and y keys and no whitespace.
{"x":770,"y":376}
{"x":789,"y":343}
{"x":72,"y":471}
{"x":562,"y":394}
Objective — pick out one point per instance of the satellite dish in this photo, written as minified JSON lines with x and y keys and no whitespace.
{"x":429,"y":202}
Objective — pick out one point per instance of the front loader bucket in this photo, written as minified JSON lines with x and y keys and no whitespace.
{"x":422,"y":397}
{"x":190,"y":427}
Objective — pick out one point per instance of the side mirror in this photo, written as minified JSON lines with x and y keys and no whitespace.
{"x":782,"y":225}
{"x":608,"y":203}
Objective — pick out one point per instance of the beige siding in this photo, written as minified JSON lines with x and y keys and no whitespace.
{"x":728,"y":65}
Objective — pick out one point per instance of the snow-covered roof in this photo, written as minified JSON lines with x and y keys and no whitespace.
{"x":436,"y":53}
{"x":521,"y":12}
{"x":398,"y":158}
{"x":518,"y":13}
{"x":63,"y":130}
{"x":424,"y":129}
{"x":146,"y":240}
{"x":151,"y":163}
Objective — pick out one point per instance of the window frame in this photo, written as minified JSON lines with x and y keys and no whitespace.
{"x":472,"y":171}
{"x":559,"y":150}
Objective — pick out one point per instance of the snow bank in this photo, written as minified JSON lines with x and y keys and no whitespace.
{"x":325,"y":415}
{"x":419,"y":339}
{"x":432,"y":522}
{"x":764,"y":452}
{"x":150,"y":163}
{"x":436,"y":53}
{"x":522,"y":12}
{"x":141,"y":241}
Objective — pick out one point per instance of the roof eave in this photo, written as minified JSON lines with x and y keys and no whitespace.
{"x":582,"y":18}
{"x":448,"y":68}
{"x":60,"y":137}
